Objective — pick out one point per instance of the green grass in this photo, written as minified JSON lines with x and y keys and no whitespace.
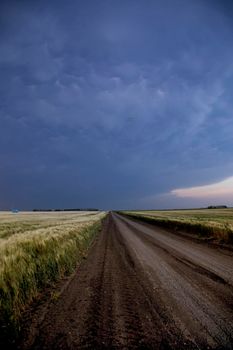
{"x":35,"y":254}
{"x":215,"y":224}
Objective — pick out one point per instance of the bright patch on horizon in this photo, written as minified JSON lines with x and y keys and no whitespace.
{"x":220,"y":189}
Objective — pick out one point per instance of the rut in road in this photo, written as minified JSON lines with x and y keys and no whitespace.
{"x":195,"y":282}
{"x":141,"y":287}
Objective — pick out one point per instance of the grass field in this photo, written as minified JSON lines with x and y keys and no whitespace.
{"x":37,"y":249}
{"x":214,"y":224}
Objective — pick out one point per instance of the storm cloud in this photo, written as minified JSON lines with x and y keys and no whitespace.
{"x":114,"y":104}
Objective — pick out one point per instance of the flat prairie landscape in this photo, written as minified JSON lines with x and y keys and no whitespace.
{"x":141,"y":285}
{"x":117,"y":109}
{"x":206,"y":223}
{"x":210,"y":216}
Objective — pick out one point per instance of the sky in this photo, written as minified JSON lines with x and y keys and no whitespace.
{"x":116,"y":104}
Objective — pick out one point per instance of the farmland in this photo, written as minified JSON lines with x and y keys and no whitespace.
{"x":213,"y":224}
{"x":37,"y":249}
{"x":140,"y":287}
{"x":143,"y":283}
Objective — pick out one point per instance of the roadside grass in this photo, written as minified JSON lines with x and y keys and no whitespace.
{"x":208,"y":224}
{"x":32,"y":259}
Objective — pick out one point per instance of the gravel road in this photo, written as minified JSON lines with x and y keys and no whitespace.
{"x":141,"y":287}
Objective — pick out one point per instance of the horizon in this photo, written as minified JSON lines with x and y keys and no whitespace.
{"x":67,"y":210}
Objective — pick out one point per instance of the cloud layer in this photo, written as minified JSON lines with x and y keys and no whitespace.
{"x":219,"y":190}
{"x":107,"y":104}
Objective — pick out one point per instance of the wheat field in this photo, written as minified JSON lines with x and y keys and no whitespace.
{"x":212,"y":223}
{"x":36,"y":249}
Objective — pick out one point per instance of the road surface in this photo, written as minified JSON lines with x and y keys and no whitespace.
{"x":141,"y":287}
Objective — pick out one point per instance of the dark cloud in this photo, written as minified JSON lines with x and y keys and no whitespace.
{"x":112,"y":104}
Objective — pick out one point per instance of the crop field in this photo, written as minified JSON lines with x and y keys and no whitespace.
{"x":208,"y":223}
{"x":147,"y":281}
{"x":36,"y":249}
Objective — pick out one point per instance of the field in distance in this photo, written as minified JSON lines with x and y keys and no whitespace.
{"x":26,"y":222}
{"x":212,"y":223}
{"x":36,"y":249}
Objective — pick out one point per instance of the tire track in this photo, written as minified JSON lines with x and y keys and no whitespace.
{"x":137,"y":291}
{"x":200,"y":299}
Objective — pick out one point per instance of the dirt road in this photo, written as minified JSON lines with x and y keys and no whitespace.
{"x":142,"y":287}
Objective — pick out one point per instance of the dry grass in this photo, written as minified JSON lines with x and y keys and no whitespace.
{"x":210,"y":223}
{"x":23,"y":222}
{"x":35,"y":250}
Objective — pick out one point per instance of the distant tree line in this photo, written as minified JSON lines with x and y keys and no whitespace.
{"x":68,"y":209}
{"x":217,"y":206}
